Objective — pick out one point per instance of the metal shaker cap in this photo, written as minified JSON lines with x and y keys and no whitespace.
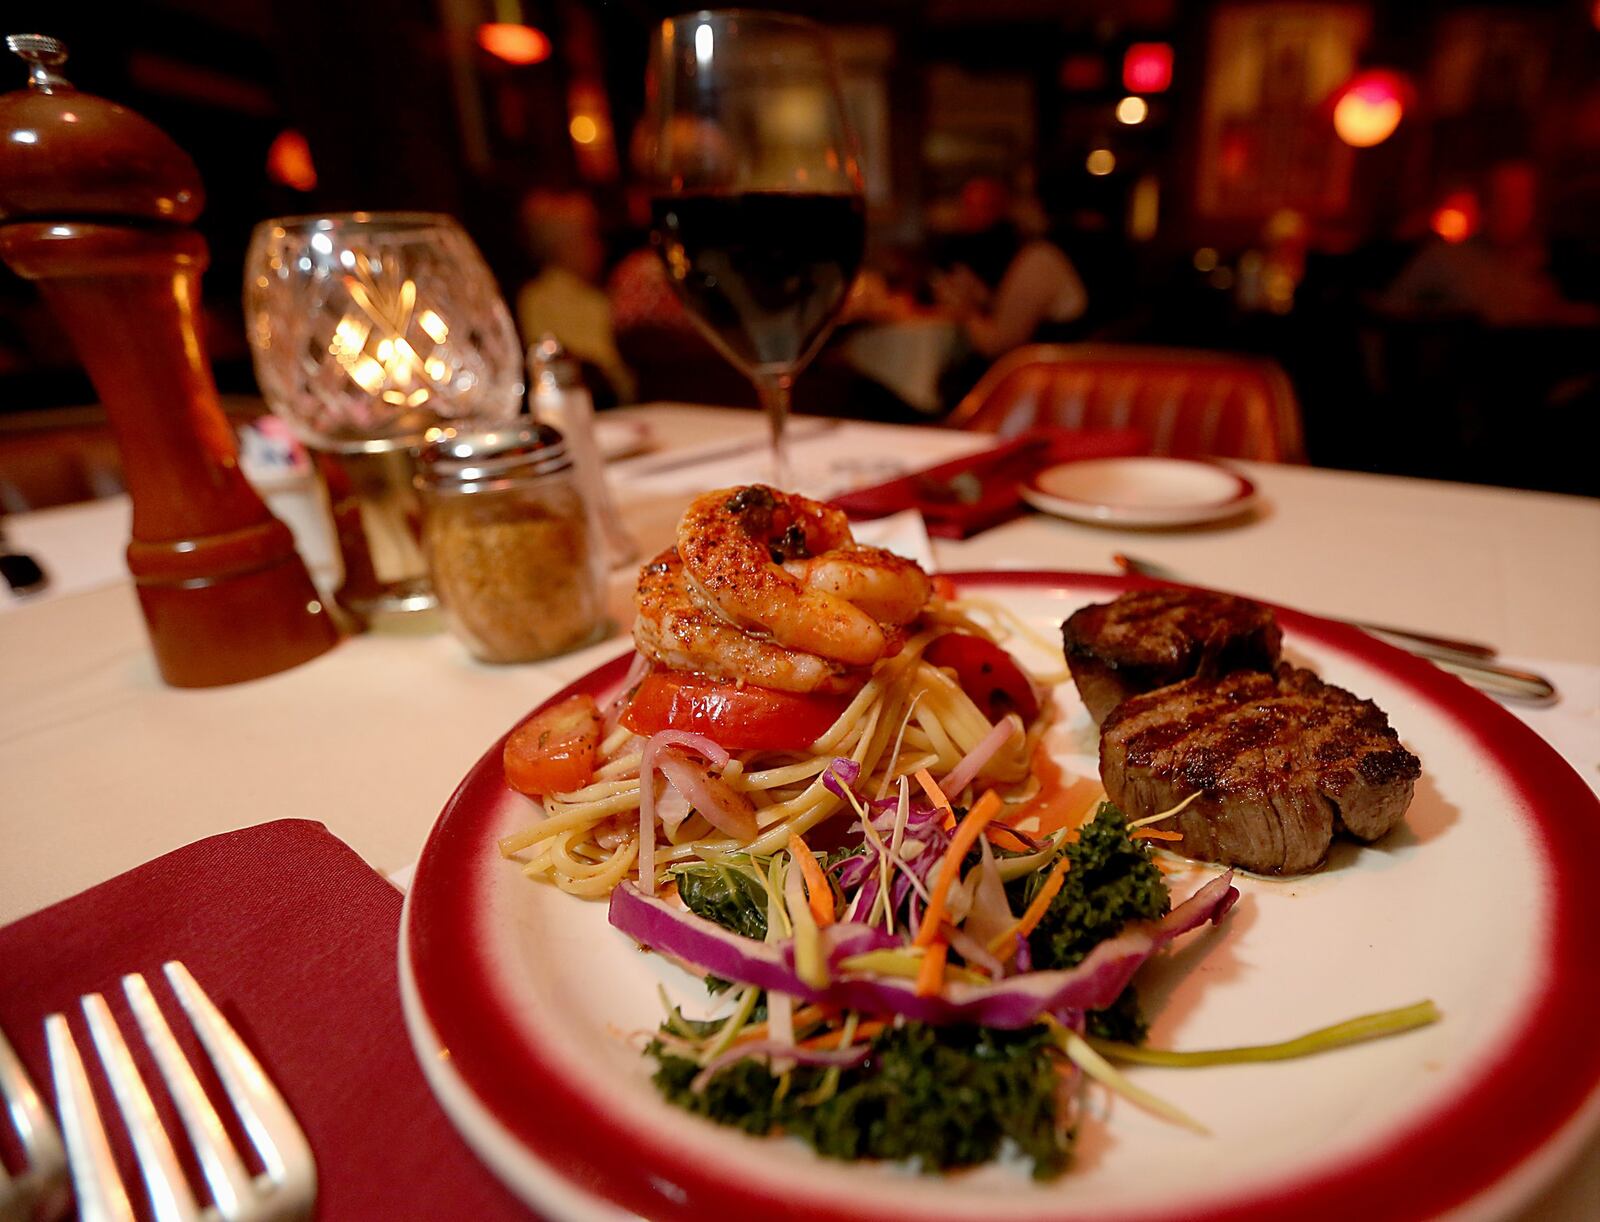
{"x":461,"y":463}
{"x":551,"y":365}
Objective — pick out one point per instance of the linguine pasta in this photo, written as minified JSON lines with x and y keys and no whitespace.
{"x":909,"y":715}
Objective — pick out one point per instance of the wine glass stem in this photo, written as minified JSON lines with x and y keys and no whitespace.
{"x":774,"y":389}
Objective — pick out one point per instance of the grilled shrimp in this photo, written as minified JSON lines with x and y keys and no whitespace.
{"x":673,"y":629}
{"x":886,"y":586}
{"x":735,"y":544}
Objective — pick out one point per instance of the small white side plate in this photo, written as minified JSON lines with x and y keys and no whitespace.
{"x":1140,"y":491}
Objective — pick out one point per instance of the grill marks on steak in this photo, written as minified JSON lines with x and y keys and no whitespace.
{"x":1150,"y":638}
{"x":1282,"y":762}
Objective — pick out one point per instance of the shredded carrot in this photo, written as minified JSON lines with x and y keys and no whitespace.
{"x":1000,"y":829}
{"x":819,"y":896}
{"x":983,"y":810}
{"x":931,"y":978}
{"x":936,"y":796}
{"x":1154,"y":833}
{"x":931,"y":788}
{"x":1041,"y":902}
{"x":1004,"y":944}
{"x":805,"y":1016}
{"x":864,"y":1031}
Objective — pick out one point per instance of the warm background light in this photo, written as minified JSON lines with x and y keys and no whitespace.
{"x":583,"y":129}
{"x":516,"y":44}
{"x":1369,"y":108}
{"x":289,"y":161}
{"x":1456,"y":218}
{"x":1101,"y":162}
{"x":1147,"y":67}
{"x":1132,"y":110}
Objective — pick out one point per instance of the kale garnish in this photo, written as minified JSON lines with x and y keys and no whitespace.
{"x":1121,"y":1021}
{"x":1110,"y":882}
{"x":725,"y":895}
{"x":743,"y":1094}
{"x":938,"y":1097}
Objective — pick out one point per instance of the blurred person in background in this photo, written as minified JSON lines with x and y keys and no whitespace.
{"x":984,"y":237}
{"x":1501,"y":275}
{"x":1039,"y":298}
{"x":562,"y":232}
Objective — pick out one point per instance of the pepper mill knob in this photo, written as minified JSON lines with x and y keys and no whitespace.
{"x":42,"y":54}
{"x":66,"y":153}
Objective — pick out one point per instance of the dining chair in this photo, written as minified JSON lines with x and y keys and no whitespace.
{"x":1189,"y":402}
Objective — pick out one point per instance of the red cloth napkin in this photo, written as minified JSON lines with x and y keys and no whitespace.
{"x":294,"y":938}
{"x":986,"y":493}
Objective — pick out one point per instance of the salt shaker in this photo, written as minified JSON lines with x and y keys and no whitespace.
{"x":560,"y":399}
{"x":507,"y":536}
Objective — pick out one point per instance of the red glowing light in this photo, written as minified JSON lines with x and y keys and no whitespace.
{"x":1083,"y":73}
{"x":1147,"y":67}
{"x":516,"y":44}
{"x":1456,"y":218}
{"x":1368,"y":109}
{"x":289,"y":161}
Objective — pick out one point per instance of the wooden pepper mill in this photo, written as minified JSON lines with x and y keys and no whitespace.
{"x":95,"y":204}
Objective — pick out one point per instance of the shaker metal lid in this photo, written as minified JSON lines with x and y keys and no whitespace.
{"x":462,"y":462}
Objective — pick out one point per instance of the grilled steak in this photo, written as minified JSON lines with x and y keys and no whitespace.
{"x":1281,"y":763}
{"x":1150,"y":638}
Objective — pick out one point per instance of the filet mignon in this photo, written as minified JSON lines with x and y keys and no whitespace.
{"x":1150,"y":638}
{"x":1281,"y":762}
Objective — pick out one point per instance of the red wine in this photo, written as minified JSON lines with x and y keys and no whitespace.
{"x":764,"y":272}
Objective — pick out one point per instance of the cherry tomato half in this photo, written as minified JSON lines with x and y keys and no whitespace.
{"x":987,"y":673}
{"x":737,"y":717}
{"x":553,"y":751}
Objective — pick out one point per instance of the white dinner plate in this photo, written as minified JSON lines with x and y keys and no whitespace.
{"x":525,"y":1007}
{"x":620,"y":438}
{"x":1140,"y":491}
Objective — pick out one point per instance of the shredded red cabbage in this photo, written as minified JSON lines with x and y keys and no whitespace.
{"x":1015,"y":1002}
{"x":839,"y":775}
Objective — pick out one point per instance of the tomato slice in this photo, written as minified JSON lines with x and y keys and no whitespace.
{"x":739,"y":718}
{"x":553,"y":751}
{"x":987,"y":673}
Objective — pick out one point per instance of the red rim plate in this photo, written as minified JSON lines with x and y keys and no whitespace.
{"x":1502,"y":1136}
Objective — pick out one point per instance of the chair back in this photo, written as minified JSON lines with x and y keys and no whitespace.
{"x":1190,"y":403}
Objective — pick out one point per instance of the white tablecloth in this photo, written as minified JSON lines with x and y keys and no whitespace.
{"x":102,"y":767}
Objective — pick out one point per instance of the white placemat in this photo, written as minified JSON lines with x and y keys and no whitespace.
{"x":826,"y":458}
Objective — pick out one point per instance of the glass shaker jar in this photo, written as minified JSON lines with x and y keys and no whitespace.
{"x":511,"y":544}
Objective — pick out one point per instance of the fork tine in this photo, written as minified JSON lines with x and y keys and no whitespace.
{"x":230,"y":1183}
{"x":94,"y":1172}
{"x":40,"y":1140}
{"x":170,"y":1198}
{"x":271,"y":1126}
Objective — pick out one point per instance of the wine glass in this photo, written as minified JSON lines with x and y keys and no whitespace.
{"x":371,"y":332}
{"x":757,"y":204}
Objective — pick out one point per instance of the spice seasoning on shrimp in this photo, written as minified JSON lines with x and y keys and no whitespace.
{"x":787,"y":566}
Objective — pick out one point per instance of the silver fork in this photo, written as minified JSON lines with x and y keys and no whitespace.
{"x":25,"y":1195}
{"x":286,"y":1190}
